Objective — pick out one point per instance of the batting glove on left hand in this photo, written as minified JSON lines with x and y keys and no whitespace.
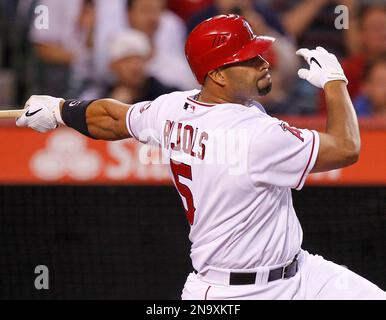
{"x":324,"y":67}
{"x":42,"y":113}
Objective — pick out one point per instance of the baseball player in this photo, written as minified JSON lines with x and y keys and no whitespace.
{"x":233,"y":165}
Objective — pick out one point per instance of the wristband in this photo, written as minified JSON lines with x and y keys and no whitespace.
{"x":74,"y":115}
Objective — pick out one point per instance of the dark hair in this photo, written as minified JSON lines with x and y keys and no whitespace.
{"x":371,"y":64}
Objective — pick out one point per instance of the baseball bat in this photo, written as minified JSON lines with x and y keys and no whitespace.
{"x":11,"y":114}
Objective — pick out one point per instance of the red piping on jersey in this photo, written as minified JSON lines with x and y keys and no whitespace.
{"x":309,"y":160}
{"x":206,"y":293}
{"x":128,"y":122}
{"x":201,"y":103}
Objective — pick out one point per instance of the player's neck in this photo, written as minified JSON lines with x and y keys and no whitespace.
{"x":207,"y":96}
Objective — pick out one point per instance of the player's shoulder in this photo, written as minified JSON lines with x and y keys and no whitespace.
{"x":259,"y":123}
{"x":269,"y":131}
{"x":175,"y":97}
{"x":253,"y":115}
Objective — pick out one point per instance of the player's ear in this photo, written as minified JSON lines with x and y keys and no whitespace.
{"x":217,"y":76}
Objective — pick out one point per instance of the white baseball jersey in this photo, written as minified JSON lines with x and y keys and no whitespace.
{"x":234,"y":167}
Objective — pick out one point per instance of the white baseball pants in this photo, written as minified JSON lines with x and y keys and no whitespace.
{"x":316,"y":279}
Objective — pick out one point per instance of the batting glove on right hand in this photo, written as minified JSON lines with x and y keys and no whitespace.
{"x":324,"y":67}
{"x":42,"y":113}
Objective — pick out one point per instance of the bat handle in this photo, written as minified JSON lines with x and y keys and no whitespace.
{"x":11,"y":114}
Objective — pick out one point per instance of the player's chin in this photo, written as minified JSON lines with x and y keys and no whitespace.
{"x":262,"y":91}
{"x":264,"y":85}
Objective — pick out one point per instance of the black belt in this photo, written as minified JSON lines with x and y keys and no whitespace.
{"x":244,"y":278}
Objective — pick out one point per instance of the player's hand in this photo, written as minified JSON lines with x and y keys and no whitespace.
{"x":42,"y":113}
{"x":324,"y":67}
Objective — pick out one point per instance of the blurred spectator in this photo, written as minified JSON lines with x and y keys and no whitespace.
{"x":15,"y":21}
{"x":3,"y":33}
{"x":246,"y":8}
{"x":187,"y":8}
{"x":65,"y":47}
{"x":167,"y":33}
{"x":70,"y":50}
{"x":129,"y":53}
{"x":312,"y":23}
{"x":8,"y":86}
{"x":372,"y":101}
{"x":372,"y":36}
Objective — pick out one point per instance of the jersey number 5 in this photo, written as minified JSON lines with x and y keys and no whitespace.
{"x":183,"y":170}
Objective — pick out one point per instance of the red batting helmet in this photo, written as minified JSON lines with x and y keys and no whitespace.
{"x":222,"y":40}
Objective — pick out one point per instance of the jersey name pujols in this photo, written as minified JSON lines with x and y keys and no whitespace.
{"x":184,"y":137}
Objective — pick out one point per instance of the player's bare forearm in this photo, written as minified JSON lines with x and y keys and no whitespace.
{"x":106,"y":119}
{"x":341,"y":141}
{"x":342,"y":121}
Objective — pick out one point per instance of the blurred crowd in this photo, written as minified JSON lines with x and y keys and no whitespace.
{"x":133,"y":50}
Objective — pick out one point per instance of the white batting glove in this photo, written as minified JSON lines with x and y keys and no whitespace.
{"x":324,"y":67}
{"x":42,"y":113}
